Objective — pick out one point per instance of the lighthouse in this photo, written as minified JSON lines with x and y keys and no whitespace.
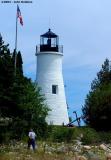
{"x":50,"y":78}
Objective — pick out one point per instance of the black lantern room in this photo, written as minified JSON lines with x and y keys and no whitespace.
{"x":49,"y":42}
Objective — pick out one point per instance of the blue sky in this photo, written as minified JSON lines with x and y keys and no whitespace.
{"x":84,"y":29}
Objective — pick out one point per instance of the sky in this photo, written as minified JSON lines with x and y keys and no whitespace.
{"x":84,"y":29}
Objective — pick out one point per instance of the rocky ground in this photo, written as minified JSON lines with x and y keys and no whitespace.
{"x":55,"y":151}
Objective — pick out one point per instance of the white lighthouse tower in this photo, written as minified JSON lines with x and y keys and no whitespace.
{"x":50,"y":79}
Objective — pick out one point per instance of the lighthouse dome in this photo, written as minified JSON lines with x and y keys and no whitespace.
{"x":49,"y":34}
{"x":49,"y":41}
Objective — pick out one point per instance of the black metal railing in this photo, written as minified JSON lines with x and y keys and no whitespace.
{"x":46,"y":48}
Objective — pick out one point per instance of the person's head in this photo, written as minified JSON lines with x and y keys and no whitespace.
{"x":31,"y":130}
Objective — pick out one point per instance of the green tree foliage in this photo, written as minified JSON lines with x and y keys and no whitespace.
{"x":20,"y":100}
{"x":6,"y":77}
{"x":19,"y":62}
{"x":30,"y":109}
{"x":97,"y":108}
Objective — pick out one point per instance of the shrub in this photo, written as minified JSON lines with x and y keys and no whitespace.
{"x":105,"y":137}
{"x":61,"y":134}
{"x":84,"y":134}
{"x":90,"y":136}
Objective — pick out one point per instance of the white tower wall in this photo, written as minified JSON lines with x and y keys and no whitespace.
{"x":49,"y":72}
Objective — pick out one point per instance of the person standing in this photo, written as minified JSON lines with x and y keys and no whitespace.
{"x":31,"y":140}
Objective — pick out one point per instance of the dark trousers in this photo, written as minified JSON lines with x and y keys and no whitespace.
{"x":31,"y":142}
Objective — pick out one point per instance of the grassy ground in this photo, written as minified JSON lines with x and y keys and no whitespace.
{"x":33,"y":156}
{"x":19,"y":151}
{"x":29,"y":155}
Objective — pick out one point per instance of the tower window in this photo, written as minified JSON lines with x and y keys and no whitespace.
{"x":54,"y":89}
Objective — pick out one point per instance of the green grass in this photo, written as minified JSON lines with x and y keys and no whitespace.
{"x":30,"y":155}
{"x":58,"y":136}
{"x":20,"y":152}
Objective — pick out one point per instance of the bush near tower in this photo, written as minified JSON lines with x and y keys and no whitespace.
{"x":97,"y":108}
{"x":21,"y":104}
